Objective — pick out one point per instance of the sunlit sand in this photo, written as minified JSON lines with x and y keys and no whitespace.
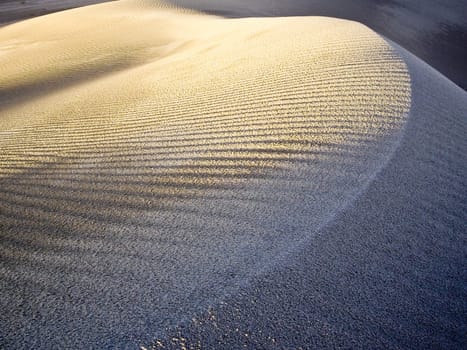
{"x":154,"y":160}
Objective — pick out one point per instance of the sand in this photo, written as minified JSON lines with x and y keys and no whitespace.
{"x":387,"y":272}
{"x":434,"y":30}
{"x":193,"y":162}
{"x":15,"y":10}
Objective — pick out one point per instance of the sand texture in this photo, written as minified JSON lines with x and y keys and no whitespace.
{"x":301,"y":178}
{"x":16,"y":10}
{"x":434,"y":30}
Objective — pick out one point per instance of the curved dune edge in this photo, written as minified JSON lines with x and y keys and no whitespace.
{"x":143,"y":175}
{"x":388,"y":271}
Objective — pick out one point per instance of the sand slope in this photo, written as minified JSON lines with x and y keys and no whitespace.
{"x":434,"y":30}
{"x":17,"y":10}
{"x":387,"y":272}
{"x":155,"y":160}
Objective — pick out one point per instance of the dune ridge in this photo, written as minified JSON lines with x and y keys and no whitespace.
{"x":144,"y":175}
{"x":388,"y":271}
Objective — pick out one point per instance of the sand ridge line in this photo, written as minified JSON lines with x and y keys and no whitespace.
{"x":201,"y":168}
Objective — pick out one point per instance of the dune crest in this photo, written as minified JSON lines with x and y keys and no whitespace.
{"x":153,"y":159}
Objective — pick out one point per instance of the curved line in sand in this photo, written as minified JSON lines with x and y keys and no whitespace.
{"x":153,"y":190}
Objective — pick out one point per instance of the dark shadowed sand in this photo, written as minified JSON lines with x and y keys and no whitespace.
{"x":171,"y":179}
{"x":389,"y":272}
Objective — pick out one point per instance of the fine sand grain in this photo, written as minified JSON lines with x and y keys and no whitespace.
{"x":387,"y":272}
{"x":156,"y":162}
{"x":434,"y":30}
{"x":16,"y":10}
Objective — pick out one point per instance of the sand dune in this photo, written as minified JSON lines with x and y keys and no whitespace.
{"x":388,"y":271}
{"x":16,"y":10}
{"x":156,"y":161}
{"x":434,"y":30}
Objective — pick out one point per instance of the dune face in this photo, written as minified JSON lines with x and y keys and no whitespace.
{"x":148,"y":173}
{"x":16,"y":10}
{"x":388,"y":271}
{"x":155,"y":161}
{"x":434,"y":30}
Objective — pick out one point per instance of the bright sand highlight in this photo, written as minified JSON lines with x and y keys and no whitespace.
{"x":154,"y":159}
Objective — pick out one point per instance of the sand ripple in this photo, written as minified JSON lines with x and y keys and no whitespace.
{"x":154,"y":159}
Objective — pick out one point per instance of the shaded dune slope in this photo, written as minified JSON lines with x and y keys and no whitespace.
{"x":388,"y":271}
{"x":145,"y":175}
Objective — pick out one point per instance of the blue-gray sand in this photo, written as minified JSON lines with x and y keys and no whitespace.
{"x":174,"y":179}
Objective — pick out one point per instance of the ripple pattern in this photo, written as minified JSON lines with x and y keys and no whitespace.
{"x":145,"y":175}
